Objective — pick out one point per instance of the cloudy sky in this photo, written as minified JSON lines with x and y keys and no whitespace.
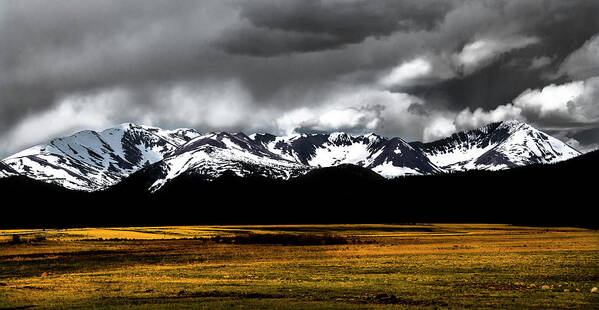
{"x":418,"y":69}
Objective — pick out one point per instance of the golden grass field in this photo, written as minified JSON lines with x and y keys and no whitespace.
{"x":381,"y":267}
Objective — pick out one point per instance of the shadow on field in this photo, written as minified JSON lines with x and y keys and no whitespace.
{"x":88,"y":261}
{"x":281,"y":239}
{"x":381,"y":299}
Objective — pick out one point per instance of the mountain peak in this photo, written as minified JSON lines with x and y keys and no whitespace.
{"x":339,"y":137}
{"x":134,"y":126}
{"x":371,"y":135}
{"x":90,"y":160}
{"x":512,"y":123}
{"x":496,"y":146}
{"x":338,"y":134}
{"x":125,"y":126}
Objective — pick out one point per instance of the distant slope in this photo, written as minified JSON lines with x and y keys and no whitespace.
{"x":388,"y":157}
{"x":549,"y":194}
{"x":209,"y":156}
{"x":90,"y":160}
{"x":6,"y":170}
{"x":496,"y":146}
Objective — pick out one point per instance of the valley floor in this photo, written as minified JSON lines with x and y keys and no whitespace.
{"x":315,"y":266}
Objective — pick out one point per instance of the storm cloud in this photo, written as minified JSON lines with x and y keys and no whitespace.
{"x":418,"y":69}
{"x":290,"y":26}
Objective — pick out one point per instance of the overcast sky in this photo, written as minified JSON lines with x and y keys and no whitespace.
{"x":417,"y":69}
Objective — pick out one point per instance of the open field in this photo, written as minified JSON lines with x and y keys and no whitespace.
{"x":318,"y":266}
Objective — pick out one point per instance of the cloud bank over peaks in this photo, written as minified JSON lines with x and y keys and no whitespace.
{"x":417,"y":69}
{"x":574,"y":103}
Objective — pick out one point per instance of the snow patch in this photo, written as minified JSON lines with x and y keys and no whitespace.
{"x":388,"y":170}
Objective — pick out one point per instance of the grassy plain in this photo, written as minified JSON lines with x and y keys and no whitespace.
{"x":366,"y":267}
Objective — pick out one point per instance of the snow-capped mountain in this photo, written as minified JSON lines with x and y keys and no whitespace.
{"x":212,"y":154}
{"x":496,"y":146}
{"x":90,"y":160}
{"x":388,"y":157}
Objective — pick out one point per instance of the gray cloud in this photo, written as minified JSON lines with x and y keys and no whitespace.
{"x":540,"y":62}
{"x":53,"y":49}
{"x":306,"y":26}
{"x":567,"y":110}
{"x":584,"y":62}
{"x":255,"y":65}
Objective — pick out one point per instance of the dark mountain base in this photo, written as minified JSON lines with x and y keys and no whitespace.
{"x":559,"y":194}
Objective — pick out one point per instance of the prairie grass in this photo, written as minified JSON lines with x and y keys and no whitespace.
{"x":425,"y":266}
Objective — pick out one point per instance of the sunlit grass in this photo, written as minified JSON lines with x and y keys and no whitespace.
{"x":383,"y":266}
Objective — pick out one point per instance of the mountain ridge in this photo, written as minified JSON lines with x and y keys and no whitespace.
{"x":90,"y":160}
{"x":529,"y":195}
{"x":485,"y":148}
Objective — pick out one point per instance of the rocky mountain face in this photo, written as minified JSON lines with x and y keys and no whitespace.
{"x":6,"y":171}
{"x":91,"y":160}
{"x":388,"y":157}
{"x":213,"y":154}
{"x":496,"y":146}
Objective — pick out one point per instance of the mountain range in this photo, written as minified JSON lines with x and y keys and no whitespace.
{"x":91,"y":161}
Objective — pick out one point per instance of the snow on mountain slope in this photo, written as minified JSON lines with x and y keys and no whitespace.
{"x":398,"y":158}
{"x":6,"y":171}
{"x":210,"y":155}
{"x":267,"y":155}
{"x":90,"y":160}
{"x":341,"y":148}
{"x":496,"y":146}
{"x":389,"y":157}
